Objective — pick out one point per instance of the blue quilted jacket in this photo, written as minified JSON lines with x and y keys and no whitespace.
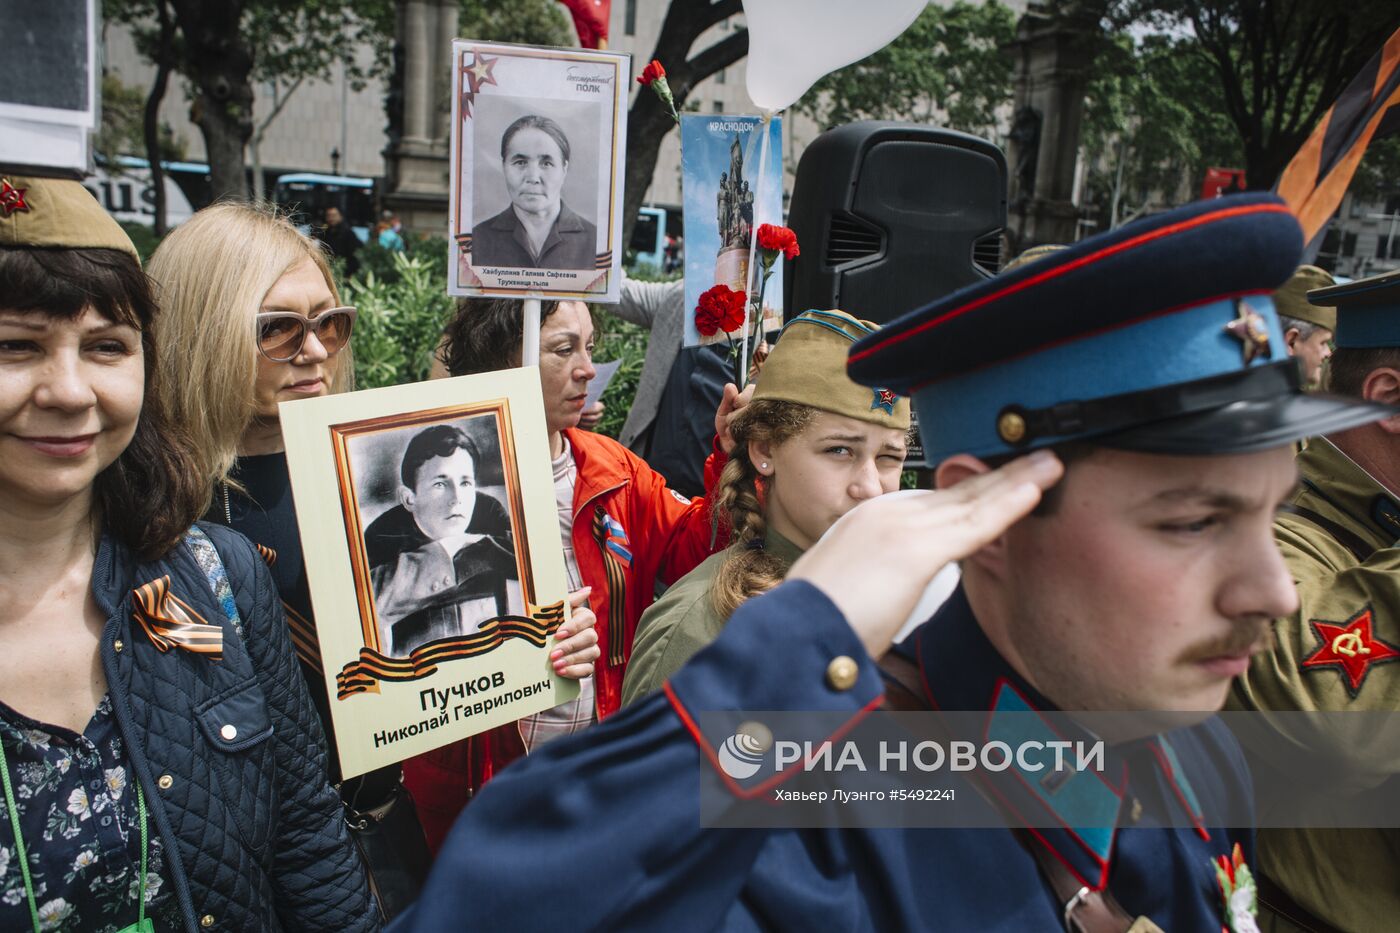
{"x":230,"y":753}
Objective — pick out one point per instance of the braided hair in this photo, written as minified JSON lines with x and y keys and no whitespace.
{"x":748,"y":569}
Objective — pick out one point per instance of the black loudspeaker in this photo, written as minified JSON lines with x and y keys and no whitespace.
{"x":891,"y":216}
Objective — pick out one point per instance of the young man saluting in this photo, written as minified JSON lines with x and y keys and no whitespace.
{"x":1152,"y":358}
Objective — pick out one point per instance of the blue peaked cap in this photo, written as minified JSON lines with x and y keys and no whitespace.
{"x":1158,"y":336}
{"x":1368,"y":311}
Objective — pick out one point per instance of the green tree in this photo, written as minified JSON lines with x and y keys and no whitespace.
{"x":1278,"y":64}
{"x":532,"y":22}
{"x":648,"y":119}
{"x":1154,"y":119}
{"x":221,"y":47}
{"x":121,"y":131}
{"x":946,"y":67}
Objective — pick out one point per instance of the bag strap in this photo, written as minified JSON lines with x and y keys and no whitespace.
{"x":207,"y":556}
{"x":1347,"y":538}
{"x":1085,"y":910}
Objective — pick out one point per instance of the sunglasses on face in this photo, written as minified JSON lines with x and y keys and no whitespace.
{"x":282,"y":334}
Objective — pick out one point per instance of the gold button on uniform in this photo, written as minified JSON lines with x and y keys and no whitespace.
{"x":842,"y":672}
{"x":117,"y":646}
{"x":206,"y":921}
{"x":165,"y":781}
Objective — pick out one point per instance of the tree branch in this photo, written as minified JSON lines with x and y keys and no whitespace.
{"x":720,"y":55}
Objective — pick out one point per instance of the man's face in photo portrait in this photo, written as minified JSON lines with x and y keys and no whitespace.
{"x":443,"y":495}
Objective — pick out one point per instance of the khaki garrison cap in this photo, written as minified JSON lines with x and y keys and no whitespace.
{"x":808,"y":366}
{"x":1292,"y":299}
{"x":56,"y":213}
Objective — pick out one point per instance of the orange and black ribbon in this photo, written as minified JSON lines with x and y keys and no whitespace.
{"x":617,"y":588}
{"x":304,"y":641}
{"x":170,"y":622}
{"x":303,"y":631}
{"x":1317,"y":178}
{"x":364,"y":673}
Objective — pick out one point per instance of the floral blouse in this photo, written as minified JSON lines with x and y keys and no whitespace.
{"x":82,"y":829}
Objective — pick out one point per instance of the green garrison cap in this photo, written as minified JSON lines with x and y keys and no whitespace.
{"x":1368,"y":311}
{"x":56,"y":213}
{"x":1292,"y":299}
{"x":808,"y":366}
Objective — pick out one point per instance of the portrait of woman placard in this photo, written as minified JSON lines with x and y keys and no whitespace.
{"x":544,"y":225}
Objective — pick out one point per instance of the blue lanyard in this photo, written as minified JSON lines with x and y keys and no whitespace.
{"x":142,"y":925}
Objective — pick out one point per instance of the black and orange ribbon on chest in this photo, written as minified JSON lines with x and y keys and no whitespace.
{"x":170,"y":622}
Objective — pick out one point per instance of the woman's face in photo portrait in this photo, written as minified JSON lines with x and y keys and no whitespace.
{"x":534,"y":170}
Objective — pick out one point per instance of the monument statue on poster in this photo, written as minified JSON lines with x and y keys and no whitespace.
{"x":734,"y":217}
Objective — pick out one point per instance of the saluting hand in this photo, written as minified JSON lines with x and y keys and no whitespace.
{"x":878,"y":558}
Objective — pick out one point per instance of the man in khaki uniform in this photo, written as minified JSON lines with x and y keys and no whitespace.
{"x":1338,"y":535}
{"x":1307,"y":327}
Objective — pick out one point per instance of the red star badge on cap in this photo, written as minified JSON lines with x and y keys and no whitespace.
{"x":884,"y":399}
{"x":1251,"y":331}
{"x":1351,"y":648}
{"x":11,"y":198}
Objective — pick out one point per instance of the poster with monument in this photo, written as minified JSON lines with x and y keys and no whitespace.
{"x":724,"y":201}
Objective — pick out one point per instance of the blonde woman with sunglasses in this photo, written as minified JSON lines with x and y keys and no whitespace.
{"x":253,"y":318}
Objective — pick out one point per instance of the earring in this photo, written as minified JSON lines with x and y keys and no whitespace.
{"x":763,"y":465}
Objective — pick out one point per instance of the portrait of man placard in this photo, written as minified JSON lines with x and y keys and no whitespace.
{"x":431,"y":536}
{"x":536,"y":171}
{"x":441,"y":556}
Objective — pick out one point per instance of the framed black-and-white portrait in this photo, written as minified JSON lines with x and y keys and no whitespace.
{"x":536,"y":171}
{"x":432,"y":550}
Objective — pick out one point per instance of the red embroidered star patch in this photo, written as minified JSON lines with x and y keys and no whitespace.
{"x":11,"y":198}
{"x":1351,"y":648}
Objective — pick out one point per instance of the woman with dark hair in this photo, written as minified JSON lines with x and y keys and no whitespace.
{"x":161,"y":760}
{"x":623,"y":531}
{"x":537,"y":230}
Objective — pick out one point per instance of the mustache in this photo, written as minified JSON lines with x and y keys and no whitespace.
{"x":1245,"y":638}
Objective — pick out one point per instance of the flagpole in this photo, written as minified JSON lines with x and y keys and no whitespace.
{"x":753,"y":245}
{"x":530,"y":342}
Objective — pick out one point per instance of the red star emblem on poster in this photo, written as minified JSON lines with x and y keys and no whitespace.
{"x":1350,"y":648}
{"x":11,"y":198}
{"x":478,"y":75}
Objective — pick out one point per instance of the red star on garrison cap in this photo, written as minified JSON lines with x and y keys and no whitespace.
{"x":11,"y":198}
{"x":1351,"y":648}
{"x":884,"y":399}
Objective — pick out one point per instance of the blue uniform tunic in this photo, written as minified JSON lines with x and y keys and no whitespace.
{"x":613,"y":813}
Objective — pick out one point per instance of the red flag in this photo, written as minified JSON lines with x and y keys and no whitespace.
{"x":1316,"y":179}
{"x":591,"y":21}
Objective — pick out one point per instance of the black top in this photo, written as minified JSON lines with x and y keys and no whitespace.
{"x":501,"y":241}
{"x":266,"y":516}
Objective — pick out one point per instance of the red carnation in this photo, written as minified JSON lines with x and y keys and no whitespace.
{"x":774,"y":239}
{"x":720,"y":309}
{"x":654,"y":77}
{"x":651,"y":72}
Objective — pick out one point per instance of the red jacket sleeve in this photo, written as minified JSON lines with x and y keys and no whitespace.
{"x":679,"y":533}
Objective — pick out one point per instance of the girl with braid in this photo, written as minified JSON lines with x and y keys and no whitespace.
{"x":810,"y":446}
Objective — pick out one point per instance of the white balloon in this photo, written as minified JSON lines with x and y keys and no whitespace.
{"x":792,"y":43}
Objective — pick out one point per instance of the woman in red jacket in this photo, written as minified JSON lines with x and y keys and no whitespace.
{"x":622,"y":531}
